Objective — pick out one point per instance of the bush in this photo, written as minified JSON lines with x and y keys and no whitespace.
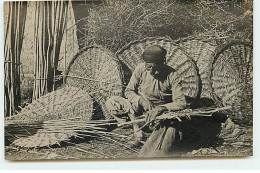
{"x":117,"y":22}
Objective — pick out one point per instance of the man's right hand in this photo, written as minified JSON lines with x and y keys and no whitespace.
{"x":146,"y":104}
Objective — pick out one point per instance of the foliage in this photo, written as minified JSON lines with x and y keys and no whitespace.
{"x":115,"y":23}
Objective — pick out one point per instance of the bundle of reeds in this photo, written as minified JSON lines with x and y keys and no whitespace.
{"x":50,"y":22}
{"x":15,"y":16}
{"x":179,"y":115}
{"x":202,"y":52}
{"x":97,"y":71}
{"x":130,"y":56}
{"x":56,"y":131}
{"x":232,"y":79}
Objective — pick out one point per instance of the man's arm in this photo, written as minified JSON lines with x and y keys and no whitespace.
{"x":178,"y":98}
{"x":132,"y":87}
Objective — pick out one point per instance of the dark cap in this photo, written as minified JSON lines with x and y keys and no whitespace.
{"x":154,"y":54}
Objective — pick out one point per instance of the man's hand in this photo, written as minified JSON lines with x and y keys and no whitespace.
{"x":152,"y":114}
{"x":146,"y":104}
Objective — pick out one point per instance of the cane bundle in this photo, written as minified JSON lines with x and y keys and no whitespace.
{"x":232,"y":79}
{"x":97,"y":71}
{"x":179,"y":115}
{"x":130,"y":57}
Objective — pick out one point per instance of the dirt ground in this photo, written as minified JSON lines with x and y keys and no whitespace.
{"x":233,"y":141}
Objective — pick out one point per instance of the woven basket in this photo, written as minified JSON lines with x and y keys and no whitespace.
{"x":39,"y":140}
{"x":63,"y":108}
{"x":97,"y":71}
{"x":202,"y":52}
{"x":232,"y":79}
{"x":64,"y":103}
{"x":130,"y":57}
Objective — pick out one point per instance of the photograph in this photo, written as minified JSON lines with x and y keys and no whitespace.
{"x":128,"y":79}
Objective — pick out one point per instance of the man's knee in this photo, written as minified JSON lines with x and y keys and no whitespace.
{"x":117,"y":105}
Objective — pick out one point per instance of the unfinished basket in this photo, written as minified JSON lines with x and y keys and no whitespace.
{"x":130,"y":56}
{"x":97,"y":71}
{"x":64,"y":103}
{"x":232,"y":79}
{"x":50,"y":119}
{"x":56,"y":131}
{"x":202,"y":52}
{"x":39,"y":140}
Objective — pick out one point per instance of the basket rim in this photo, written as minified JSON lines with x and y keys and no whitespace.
{"x":128,"y":45}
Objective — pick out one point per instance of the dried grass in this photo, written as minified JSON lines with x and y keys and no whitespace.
{"x":116,"y":23}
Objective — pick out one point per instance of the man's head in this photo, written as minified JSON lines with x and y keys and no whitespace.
{"x":154,"y":58}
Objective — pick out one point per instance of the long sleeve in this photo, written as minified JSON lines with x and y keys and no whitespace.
{"x":132,"y":87}
{"x":178,"y":98}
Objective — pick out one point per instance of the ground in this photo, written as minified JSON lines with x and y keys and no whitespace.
{"x":234,"y":141}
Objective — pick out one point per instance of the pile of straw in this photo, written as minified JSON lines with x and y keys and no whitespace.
{"x":97,"y":71}
{"x":232,"y":79}
{"x":130,"y":57}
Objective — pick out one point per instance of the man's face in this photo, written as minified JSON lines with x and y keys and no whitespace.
{"x":153,"y":68}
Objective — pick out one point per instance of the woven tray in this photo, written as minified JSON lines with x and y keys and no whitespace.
{"x":232,"y":79}
{"x":97,"y":71}
{"x":64,"y":103}
{"x":202,"y":52}
{"x":55,"y":111}
{"x":130,"y":56}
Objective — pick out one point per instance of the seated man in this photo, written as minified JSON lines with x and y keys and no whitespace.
{"x":153,"y":89}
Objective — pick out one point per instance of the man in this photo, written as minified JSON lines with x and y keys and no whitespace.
{"x":153,"y":89}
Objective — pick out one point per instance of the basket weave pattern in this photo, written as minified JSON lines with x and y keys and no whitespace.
{"x":202,"y":53}
{"x":232,"y":78}
{"x":64,"y":103}
{"x":97,"y":71}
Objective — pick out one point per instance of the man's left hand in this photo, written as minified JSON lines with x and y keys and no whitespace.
{"x":152,"y":114}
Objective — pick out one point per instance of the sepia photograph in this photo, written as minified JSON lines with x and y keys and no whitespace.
{"x":128,"y":79}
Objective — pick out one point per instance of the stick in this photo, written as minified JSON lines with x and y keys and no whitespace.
{"x":80,"y":149}
{"x":174,"y":115}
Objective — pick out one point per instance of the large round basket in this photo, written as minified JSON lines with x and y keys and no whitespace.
{"x":97,"y":71}
{"x":202,"y":52}
{"x":130,"y":57}
{"x":49,"y":119}
{"x":64,"y":103}
{"x":232,"y":79}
